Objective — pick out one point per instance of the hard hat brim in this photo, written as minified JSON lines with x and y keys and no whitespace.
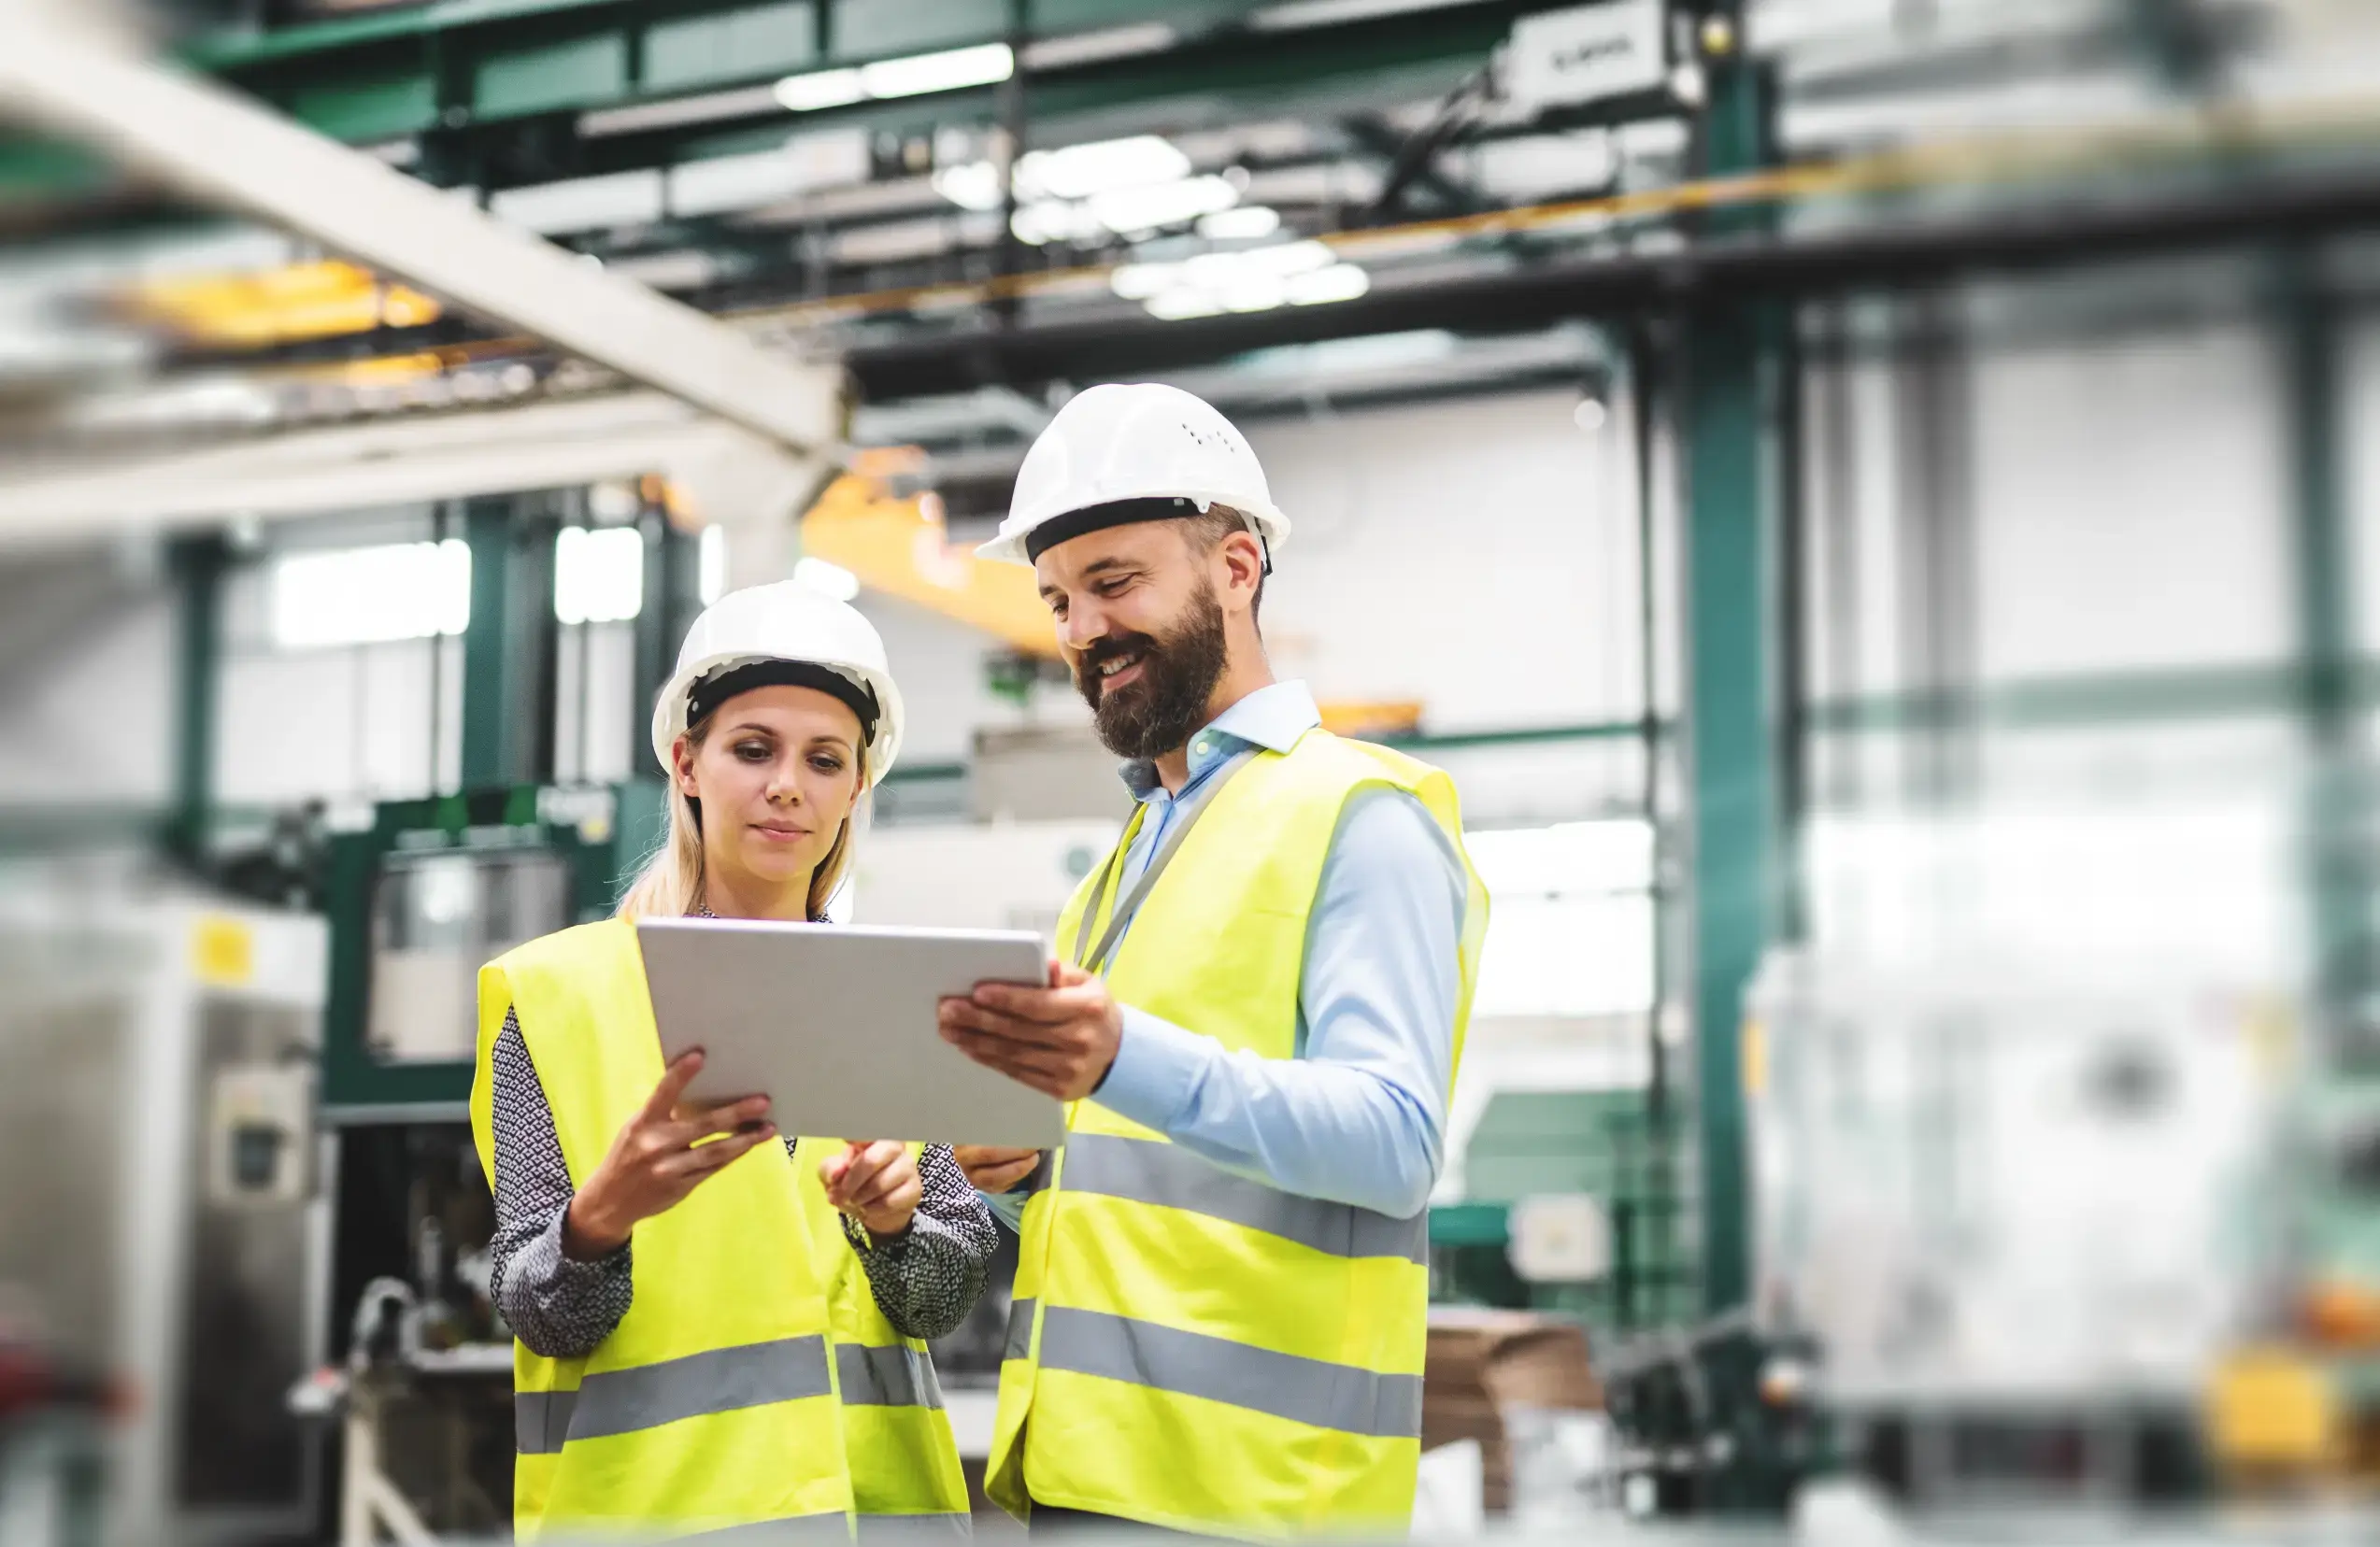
{"x":1009,"y":547}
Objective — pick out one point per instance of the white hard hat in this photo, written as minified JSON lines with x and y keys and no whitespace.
{"x":790,"y":625}
{"x":1114,"y":444}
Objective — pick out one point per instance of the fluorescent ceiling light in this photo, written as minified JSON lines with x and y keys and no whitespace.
{"x":970,"y":185}
{"x":1299,"y":14}
{"x":1253,"y":292}
{"x":1124,"y":210}
{"x":1339,"y":282}
{"x":1248,"y":280}
{"x":1055,"y":220}
{"x":829,"y":580}
{"x":1281,"y":261}
{"x":947,"y":71}
{"x":1059,"y":53}
{"x":1102,"y":166}
{"x":1249,"y":222}
{"x":1176,"y":306}
{"x":1142,"y":281}
{"x":808,"y":94}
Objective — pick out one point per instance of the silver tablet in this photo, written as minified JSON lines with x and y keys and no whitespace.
{"x":835,"y":1024}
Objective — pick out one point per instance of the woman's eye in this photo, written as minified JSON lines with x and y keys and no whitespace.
{"x":753,"y":752}
{"x":826,"y":764}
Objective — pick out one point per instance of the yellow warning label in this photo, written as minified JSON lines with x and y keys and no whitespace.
{"x":1754,"y":1052}
{"x":223,"y":952}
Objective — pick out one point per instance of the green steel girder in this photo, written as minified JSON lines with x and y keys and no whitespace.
{"x":489,"y":65}
{"x":2337,"y":869}
{"x":1730,"y":618}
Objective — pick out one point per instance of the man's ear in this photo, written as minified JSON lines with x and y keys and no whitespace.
{"x":1242,"y":556}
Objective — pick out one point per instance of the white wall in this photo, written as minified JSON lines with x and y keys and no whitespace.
{"x":1476,"y":556}
{"x":2123,"y":505}
{"x":939,"y":665}
{"x":87,"y":684}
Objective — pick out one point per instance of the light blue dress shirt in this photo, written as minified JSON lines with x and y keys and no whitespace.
{"x":1358,"y":1115}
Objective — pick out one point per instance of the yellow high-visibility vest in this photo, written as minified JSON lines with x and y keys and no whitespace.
{"x":1189,"y":1348}
{"x":712,"y":1404}
{"x":905,"y":1459}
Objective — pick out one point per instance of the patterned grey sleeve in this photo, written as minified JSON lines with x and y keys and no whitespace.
{"x":561,"y":1307}
{"x":927,"y":1279}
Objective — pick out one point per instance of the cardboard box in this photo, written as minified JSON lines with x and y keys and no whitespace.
{"x":1481,"y":1362}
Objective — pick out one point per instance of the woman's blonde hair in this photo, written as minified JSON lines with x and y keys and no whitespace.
{"x":671,"y":882}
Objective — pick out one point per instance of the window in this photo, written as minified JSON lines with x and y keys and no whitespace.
{"x":1570,"y":929}
{"x":710,"y":563}
{"x":599,"y":575}
{"x":371,"y":595}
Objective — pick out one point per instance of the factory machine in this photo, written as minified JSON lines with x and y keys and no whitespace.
{"x":162,"y":1229}
{"x":416,"y":903}
{"x":2017,"y":1220}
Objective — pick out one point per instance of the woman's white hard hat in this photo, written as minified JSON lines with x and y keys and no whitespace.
{"x":1148,"y":442}
{"x":786,"y":621}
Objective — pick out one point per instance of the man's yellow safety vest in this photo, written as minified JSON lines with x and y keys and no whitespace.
{"x":717,"y":1401}
{"x":1189,"y":1348}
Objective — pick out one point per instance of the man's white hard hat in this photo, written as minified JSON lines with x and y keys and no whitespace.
{"x":813,"y":640}
{"x":1112,"y":447}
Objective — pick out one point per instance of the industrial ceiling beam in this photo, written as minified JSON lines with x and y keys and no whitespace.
{"x":214,"y":146}
{"x":1629,"y":285}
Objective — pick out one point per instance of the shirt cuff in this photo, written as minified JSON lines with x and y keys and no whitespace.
{"x":554,"y":1271}
{"x":1156,"y":1071}
{"x":866,"y":1242}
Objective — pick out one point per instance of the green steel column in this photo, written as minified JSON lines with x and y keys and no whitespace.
{"x":198,"y":566}
{"x":672,"y":597}
{"x":508,"y":647}
{"x":2337,"y":875}
{"x":1730,"y":617}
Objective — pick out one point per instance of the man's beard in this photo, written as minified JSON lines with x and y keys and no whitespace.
{"x":1158,"y":713}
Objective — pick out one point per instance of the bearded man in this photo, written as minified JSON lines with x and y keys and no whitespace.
{"x":1257,"y":1011}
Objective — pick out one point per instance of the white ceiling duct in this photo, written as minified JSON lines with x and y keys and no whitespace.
{"x":305,"y":472}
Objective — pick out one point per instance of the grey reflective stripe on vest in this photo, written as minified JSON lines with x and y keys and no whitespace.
{"x":915,"y":1528}
{"x":1193,"y":1364}
{"x":1019,"y":1329}
{"x":765,"y":1533}
{"x":891,"y":1376}
{"x":1146,"y":1172}
{"x":622,"y":1402}
{"x":541,"y":1421}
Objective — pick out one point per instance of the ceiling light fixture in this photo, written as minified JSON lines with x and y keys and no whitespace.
{"x":1101,"y":166}
{"x":1253,"y":279}
{"x":1129,"y":210}
{"x":1179,"y":305}
{"x":951,"y":70}
{"x":809,"y":94}
{"x":1339,"y":282}
{"x":1247,"y":223}
{"x":970,"y":185}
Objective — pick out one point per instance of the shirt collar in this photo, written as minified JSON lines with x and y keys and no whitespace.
{"x":1273,"y":718}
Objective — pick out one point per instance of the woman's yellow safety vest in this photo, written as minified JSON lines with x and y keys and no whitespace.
{"x":905,"y":1459}
{"x":715,"y":1401}
{"x":1189,"y":1348}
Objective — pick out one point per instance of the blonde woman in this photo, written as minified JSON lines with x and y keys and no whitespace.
{"x":695,"y":1348}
